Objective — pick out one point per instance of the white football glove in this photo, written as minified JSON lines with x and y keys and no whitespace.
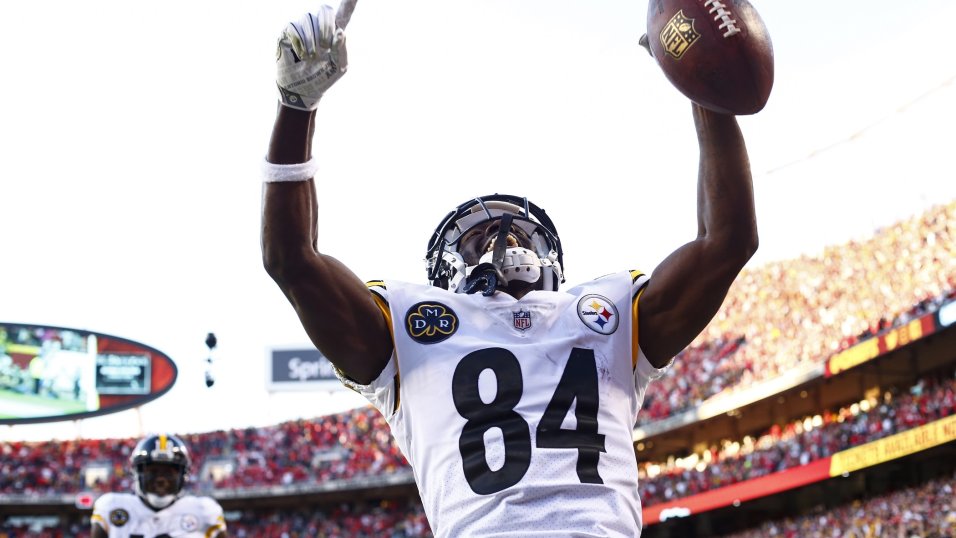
{"x":311,"y":56}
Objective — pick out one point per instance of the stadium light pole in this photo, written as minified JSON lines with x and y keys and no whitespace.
{"x":211,"y":344}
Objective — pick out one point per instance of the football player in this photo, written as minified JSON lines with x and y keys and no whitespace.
{"x":512,"y":398}
{"x":159,"y":507}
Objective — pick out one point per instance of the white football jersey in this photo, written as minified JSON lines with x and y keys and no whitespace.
{"x":125,"y":515}
{"x":517,"y":415}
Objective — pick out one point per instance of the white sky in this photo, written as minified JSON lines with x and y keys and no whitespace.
{"x":132,"y":135}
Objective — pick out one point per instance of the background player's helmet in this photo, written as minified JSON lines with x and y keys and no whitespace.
{"x":159,"y":450}
{"x":542,"y":265}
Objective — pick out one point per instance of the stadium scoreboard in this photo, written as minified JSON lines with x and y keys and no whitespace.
{"x":123,"y":373}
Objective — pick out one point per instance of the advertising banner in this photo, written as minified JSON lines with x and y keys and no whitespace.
{"x":299,"y":369}
{"x":873,"y":347}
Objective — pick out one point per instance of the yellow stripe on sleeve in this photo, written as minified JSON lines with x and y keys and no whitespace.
{"x":383,"y":306}
{"x":380,"y":300}
{"x":387,"y":312}
{"x":96,"y":518}
{"x":635,"y":326}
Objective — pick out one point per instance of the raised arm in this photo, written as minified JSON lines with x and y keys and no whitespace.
{"x":688,"y":287}
{"x":334,"y":305}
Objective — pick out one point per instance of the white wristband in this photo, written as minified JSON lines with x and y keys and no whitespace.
{"x":289,"y":172}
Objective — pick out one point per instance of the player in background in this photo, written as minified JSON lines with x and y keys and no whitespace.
{"x":513,"y":401}
{"x":159,"y":506}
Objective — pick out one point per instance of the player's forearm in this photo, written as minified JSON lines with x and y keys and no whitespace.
{"x":289,"y":212}
{"x":288,"y":226}
{"x":726,"y":213}
{"x":291,"y":141}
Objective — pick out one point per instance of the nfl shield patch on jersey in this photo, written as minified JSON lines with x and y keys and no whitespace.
{"x":522,"y":320}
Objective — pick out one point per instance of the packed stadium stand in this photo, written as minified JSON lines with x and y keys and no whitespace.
{"x":820,"y":402}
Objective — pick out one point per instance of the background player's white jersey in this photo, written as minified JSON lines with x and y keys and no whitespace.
{"x":124,"y":515}
{"x":517,"y":415}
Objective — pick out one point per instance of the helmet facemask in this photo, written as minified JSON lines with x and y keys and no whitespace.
{"x":516,"y":242}
{"x":160,"y":484}
{"x":160,"y":467}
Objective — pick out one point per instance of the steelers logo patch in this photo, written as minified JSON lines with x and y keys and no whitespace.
{"x":598,"y":313}
{"x":119,"y":517}
{"x":430,"y":323}
{"x":189,"y":523}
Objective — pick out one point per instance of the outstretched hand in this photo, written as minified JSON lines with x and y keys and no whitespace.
{"x":311,"y":55}
{"x":344,"y":13}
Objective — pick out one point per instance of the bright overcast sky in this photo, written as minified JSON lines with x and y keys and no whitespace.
{"x":132,"y":135}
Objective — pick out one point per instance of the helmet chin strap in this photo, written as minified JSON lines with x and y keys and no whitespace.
{"x":501,"y":242}
{"x":487,"y":276}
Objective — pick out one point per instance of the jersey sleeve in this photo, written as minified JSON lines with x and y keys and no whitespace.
{"x":101,"y":510}
{"x":383,"y":391}
{"x":644,"y":371}
{"x":213,"y":519}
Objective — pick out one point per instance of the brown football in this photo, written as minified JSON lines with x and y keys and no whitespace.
{"x":716,"y":53}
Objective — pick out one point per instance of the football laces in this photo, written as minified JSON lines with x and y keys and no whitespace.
{"x":722,"y":14}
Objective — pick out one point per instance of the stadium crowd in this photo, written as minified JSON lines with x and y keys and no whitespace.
{"x":927,"y":511}
{"x":357,"y":444}
{"x":799,"y":442}
{"x":335,"y":447}
{"x":386,"y":519}
{"x":786,"y":313}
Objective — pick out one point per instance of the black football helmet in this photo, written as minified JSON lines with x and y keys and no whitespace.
{"x":541,"y":265}
{"x":160,"y":466}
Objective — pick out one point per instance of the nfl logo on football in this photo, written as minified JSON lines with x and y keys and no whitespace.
{"x":522,"y":320}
